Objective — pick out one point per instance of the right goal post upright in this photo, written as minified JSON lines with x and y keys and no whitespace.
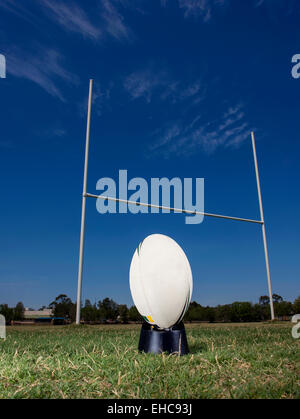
{"x":263,"y":226}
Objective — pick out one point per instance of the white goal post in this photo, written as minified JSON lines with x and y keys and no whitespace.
{"x":88,"y":195}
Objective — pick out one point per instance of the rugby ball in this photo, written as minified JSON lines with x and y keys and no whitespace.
{"x":161,"y":281}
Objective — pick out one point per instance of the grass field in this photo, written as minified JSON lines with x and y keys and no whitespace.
{"x":226,"y":361}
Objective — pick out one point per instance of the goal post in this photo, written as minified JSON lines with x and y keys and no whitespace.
{"x":82,"y":230}
{"x":263,"y":226}
{"x":85,"y":195}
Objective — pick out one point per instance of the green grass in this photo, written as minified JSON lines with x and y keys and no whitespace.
{"x":226,"y":361}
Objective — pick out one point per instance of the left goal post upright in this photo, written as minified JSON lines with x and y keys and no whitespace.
{"x":82,"y":230}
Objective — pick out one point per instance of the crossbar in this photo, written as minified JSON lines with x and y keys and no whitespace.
{"x":179,"y":210}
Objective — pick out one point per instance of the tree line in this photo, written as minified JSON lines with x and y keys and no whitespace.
{"x":244,"y":311}
{"x":107,"y":310}
{"x":12,"y":313}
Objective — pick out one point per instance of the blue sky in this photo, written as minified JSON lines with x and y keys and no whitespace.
{"x":179,"y":85}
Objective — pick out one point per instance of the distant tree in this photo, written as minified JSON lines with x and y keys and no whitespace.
{"x":260,"y":312}
{"x":190,"y":312}
{"x":7,"y":312}
{"x":223,"y":313}
{"x":134,"y":315}
{"x":108,"y":309}
{"x":89,"y":312}
{"x":123,"y":313}
{"x":283,"y":309}
{"x":102,"y":315}
{"x":195,"y":312}
{"x":264,"y":300}
{"x":210,"y":314}
{"x":277,"y":298}
{"x":241,"y":312}
{"x":296,"y":305}
{"x":19,"y":311}
{"x":88,"y":303}
{"x":63,"y":306}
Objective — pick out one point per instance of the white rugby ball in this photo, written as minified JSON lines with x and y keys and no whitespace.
{"x":161,"y":281}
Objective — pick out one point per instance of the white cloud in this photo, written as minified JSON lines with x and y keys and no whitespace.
{"x":146,"y":83}
{"x":171,"y":132}
{"x":40,"y":68}
{"x":59,"y":132}
{"x":202,"y":9}
{"x":71,"y":17}
{"x":205,"y":9}
{"x":114,"y":21}
{"x":17,"y":8}
{"x":108,"y":20}
{"x":141,"y":84}
{"x":191,"y":90}
{"x":230,"y":130}
{"x":196,"y":8}
{"x":231,"y":116}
